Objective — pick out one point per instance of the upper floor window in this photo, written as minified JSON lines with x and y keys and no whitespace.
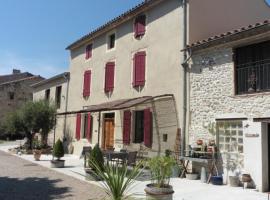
{"x":47,"y":94}
{"x":111,"y":41}
{"x":252,"y":65}
{"x":109,"y":77}
{"x":58,"y":92}
{"x":139,"y":26}
{"x":88,"y":51}
{"x":139,"y":69}
{"x":87,"y":83}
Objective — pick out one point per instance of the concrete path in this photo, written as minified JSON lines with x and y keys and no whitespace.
{"x":24,"y":180}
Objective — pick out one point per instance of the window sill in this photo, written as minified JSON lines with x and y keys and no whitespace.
{"x":251,"y":94}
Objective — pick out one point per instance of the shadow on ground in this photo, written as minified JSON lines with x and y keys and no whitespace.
{"x":31,"y":189}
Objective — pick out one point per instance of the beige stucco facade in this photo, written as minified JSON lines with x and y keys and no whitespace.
{"x":212,"y":17}
{"x":162,"y":42}
{"x":51,"y":84}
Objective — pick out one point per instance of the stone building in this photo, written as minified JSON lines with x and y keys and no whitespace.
{"x":15,"y":90}
{"x":229,"y":79}
{"x":127,"y":82}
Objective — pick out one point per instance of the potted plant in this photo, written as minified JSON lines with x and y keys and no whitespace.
{"x":176,"y":169}
{"x":37,"y":149}
{"x":58,"y":152}
{"x":161,"y":170}
{"x":117,"y":179}
{"x":95,"y":159}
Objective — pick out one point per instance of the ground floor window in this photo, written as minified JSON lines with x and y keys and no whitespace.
{"x":230,"y":136}
{"x":139,"y":127}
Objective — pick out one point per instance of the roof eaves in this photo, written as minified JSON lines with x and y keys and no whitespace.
{"x":221,"y":37}
{"x":115,"y":22}
{"x":45,"y":81}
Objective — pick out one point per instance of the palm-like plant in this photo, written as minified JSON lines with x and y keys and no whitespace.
{"x":117,"y":179}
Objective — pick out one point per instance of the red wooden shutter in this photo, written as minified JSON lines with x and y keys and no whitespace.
{"x":88,"y":51}
{"x":87,"y":83}
{"x":78,"y":126}
{"x":139,"y":26}
{"x":109,"y":76}
{"x":126,"y":127}
{"x":147,"y":128}
{"x":139,"y":69}
{"x":89,"y":123}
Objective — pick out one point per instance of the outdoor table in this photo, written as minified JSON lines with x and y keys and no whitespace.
{"x":211,"y":164}
{"x":111,"y":155}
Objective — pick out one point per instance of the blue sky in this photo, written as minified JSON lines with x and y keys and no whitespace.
{"x":34,"y":33}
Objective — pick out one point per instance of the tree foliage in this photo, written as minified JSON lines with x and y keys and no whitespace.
{"x":33,"y":117}
{"x":96,"y":156}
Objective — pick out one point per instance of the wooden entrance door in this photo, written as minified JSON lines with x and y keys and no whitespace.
{"x":108,"y":134}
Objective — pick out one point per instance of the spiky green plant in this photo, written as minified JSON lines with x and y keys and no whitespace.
{"x":117,"y":179}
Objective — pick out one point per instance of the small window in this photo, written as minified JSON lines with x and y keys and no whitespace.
{"x":85,"y":124}
{"x":111,"y":41}
{"x":88,"y":51}
{"x":47,"y":94}
{"x":139,"y":26}
{"x":139,"y":127}
{"x":58,"y":96}
{"x":11,"y":95}
{"x":230,"y":135}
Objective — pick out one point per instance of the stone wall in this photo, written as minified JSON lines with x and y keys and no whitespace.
{"x":212,"y":94}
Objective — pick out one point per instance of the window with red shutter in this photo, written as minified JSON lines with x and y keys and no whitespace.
{"x":147,"y":128}
{"x":139,"y":69}
{"x":126,"y":127}
{"x":139,"y":26}
{"x":88,"y":51}
{"x":87,"y":83}
{"x":78,"y":126}
{"x":109,"y":77}
{"x":89,"y":127}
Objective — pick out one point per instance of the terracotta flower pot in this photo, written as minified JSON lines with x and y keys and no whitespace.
{"x":37,"y":154}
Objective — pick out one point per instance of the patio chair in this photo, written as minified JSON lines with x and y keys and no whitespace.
{"x":132,"y":157}
{"x":85,"y":153}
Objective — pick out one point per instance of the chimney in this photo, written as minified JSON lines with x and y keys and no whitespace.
{"x":16,"y":71}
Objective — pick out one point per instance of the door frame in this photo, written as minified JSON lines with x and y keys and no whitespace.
{"x":107,"y":119}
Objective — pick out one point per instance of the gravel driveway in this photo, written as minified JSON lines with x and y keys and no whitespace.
{"x":23,"y":180}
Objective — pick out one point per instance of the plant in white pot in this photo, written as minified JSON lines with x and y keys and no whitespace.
{"x":58,"y":152}
{"x":161,"y":170}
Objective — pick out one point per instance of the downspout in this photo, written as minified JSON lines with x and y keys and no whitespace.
{"x":67,"y":78}
{"x":184,"y":64}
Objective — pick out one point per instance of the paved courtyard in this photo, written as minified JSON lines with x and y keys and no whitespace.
{"x":24,"y":180}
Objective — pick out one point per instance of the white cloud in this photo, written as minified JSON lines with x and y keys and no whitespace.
{"x":9,"y":61}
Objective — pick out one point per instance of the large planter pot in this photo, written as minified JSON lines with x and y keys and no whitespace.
{"x":57,"y":163}
{"x":192,"y":176}
{"x":234,"y":181}
{"x":156,"y":193}
{"x":37,"y":154}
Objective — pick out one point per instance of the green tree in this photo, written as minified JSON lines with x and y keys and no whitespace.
{"x":33,"y":117}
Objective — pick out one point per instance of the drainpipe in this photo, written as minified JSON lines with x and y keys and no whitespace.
{"x":185,"y":66}
{"x":67,"y":78}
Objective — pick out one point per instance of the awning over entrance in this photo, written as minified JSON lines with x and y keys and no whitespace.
{"x":120,"y":104}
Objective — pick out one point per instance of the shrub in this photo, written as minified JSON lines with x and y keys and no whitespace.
{"x":161,"y":170}
{"x":58,"y":149}
{"x":96,"y":157}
